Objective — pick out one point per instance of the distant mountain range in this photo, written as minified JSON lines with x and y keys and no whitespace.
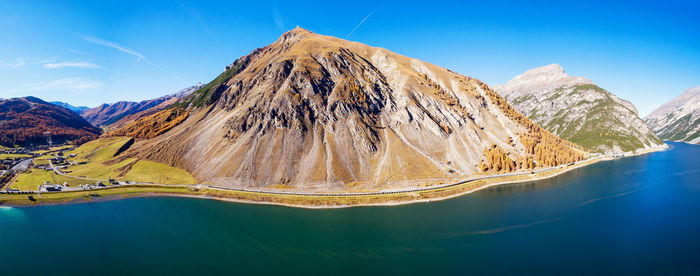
{"x":314,"y":112}
{"x":108,"y":114}
{"x":317,"y":113}
{"x":76,"y":109}
{"x":578,"y":110}
{"x":679,"y":119}
{"x":31,"y":121}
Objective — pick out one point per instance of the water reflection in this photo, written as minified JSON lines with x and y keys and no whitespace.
{"x":561,"y":179}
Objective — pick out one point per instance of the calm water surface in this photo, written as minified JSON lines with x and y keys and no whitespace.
{"x":633,"y":215}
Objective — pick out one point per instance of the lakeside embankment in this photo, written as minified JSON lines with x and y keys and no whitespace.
{"x":303,"y":200}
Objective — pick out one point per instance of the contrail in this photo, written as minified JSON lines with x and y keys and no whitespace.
{"x":139,"y":56}
{"x":358,"y":25}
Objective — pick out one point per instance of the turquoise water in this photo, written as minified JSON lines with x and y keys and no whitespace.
{"x":633,"y":215}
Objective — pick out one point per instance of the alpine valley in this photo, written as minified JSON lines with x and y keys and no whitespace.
{"x":317,"y":114}
{"x":106,"y":115}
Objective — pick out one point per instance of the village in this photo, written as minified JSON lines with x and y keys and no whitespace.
{"x":53,"y":160}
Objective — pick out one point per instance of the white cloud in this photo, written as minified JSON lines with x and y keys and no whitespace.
{"x":78,"y":64}
{"x":60,"y":84}
{"x":280,"y":20}
{"x":138,"y":55}
{"x":18,"y":62}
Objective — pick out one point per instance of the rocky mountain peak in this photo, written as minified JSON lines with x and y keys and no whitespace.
{"x":539,"y":80}
{"x":678,"y":119}
{"x":577,"y":109}
{"x":548,"y":70}
{"x":315,"y":112}
{"x":298,"y":31}
{"x":293,"y":36}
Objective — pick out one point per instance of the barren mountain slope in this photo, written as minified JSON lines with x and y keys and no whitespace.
{"x":679,"y":119}
{"x":313,"y":112}
{"x":578,"y":110}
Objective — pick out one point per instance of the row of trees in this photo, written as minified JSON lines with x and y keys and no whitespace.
{"x":153,"y":125}
{"x":542,"y":148}
{"x":497,"y":160}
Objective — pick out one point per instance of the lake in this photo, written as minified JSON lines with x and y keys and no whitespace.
{"x":632,"y":215}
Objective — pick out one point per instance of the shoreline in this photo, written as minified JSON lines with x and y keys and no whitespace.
{"x":317,"y":201}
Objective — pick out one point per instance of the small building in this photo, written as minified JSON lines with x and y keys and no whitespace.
{"x":51,"y":187}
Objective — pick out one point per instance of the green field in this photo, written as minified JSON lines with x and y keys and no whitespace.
{"x":32,"y":179}
{"x":38,"y":161}
{"x":13,"y":156}
{"x":99,"y":150}
{"x":102,"y":164}
{"x":53,"y":149}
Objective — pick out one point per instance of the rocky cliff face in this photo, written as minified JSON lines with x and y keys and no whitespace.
{"x":31,"y":121}
{"x":578,"y":110}
{"x":313,"y":112}
{"x":679,"y":119}
{"x":107,"y":114}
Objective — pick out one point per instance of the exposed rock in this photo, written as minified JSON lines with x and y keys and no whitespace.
{"x":679,"y":119}
{"x":577,"y":110}
{"x":314,"y":112}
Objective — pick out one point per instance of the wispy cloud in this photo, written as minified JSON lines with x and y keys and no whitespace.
{"x":77,"y":64}
{"x":73,"y":51}
{"x":280,"y":20}
{"x":358,"y":25}
{"x":139,"y":56}
{"x":95,"y":40}
{"x":19,"y":62}
{"x":60,"y":84}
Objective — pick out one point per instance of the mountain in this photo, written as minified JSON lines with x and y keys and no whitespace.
{"x":314,"y":112}
{"x":578,"y":110}
{"x":107,"y":114}
{"x":679,"y":119}
{"x":29,"y":120}
{"x":76,"y":109}
{"x":167,"y":101}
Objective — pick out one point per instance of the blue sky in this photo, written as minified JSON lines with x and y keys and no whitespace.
{"x":91,"y":52}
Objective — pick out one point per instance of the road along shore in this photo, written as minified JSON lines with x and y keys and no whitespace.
{"x":294,"y":199}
